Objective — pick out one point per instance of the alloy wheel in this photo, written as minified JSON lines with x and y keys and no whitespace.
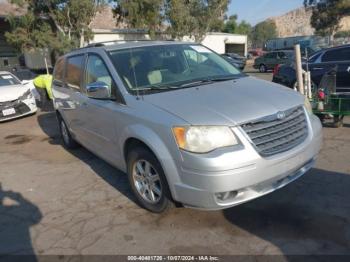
{"x":147,"y":181}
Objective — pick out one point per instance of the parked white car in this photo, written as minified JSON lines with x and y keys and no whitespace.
{"x":16,"y":98}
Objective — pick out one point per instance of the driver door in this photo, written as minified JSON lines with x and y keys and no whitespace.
{"x":101,"y":114}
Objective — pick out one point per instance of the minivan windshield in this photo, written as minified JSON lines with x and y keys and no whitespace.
{"x":172,"y":66}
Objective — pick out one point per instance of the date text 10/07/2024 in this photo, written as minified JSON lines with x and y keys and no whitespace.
{"x":173,"y":258}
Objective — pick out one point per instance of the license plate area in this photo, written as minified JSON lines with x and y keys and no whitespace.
{"x":8,"y":111}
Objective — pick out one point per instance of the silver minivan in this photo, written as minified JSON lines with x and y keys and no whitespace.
{"x":184,"y":124}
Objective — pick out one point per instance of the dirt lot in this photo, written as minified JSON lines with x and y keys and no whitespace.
{"x":56,"y":201}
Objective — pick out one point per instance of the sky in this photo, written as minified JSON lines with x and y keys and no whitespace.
{"x":255,"y":11}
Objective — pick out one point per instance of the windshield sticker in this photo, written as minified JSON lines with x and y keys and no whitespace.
{"x":200,"y":49}
{"x":6,"y":77}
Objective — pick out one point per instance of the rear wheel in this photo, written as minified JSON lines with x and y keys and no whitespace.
{"x":262,"y":68}
{"x":67,"y":138}
{"x":147,"y":180}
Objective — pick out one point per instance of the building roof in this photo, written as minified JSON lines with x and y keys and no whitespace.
{"x":105,"y":19}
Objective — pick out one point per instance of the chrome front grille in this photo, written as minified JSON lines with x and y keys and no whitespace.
{"x":278,"y":133}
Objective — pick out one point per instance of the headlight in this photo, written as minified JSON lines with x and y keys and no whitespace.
{"x":203,"y":139}
{"x":308,"y":106}
{"x":27,"y":95}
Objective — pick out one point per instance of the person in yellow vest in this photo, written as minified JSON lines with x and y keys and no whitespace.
{"x":43,"y":85}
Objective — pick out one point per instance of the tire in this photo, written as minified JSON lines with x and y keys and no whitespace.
{"x":66,"y":136}
{"x":262,"y":68}
{"x":150,"y":183}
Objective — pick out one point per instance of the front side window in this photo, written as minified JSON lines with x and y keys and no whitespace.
{"x":341,"y":54}
{"x":8,"y":80}
{"x":74,"y":71}
{"x":96,"y":71}
{"x":169,"y":66}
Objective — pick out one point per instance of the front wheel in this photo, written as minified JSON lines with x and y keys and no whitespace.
{"x":147,"y":180}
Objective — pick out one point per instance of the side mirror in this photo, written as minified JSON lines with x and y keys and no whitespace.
{"x":98,"y":90}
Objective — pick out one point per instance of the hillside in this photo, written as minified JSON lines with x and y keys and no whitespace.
{"x":297,"y":23}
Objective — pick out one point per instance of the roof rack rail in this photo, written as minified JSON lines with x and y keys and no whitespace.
{"x":99,"y":44}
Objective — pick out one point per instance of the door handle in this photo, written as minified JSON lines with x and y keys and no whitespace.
{"x":317,"y":68}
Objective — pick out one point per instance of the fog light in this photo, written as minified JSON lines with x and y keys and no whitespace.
{"x":226,"y":196}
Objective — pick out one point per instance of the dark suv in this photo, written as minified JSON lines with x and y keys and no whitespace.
{"x":320,"y":63}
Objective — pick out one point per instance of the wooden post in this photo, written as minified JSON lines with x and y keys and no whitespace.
{"x":47,"y":68}
{"x":299,"y":69}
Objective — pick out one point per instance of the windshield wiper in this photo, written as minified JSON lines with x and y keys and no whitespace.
{"x":224,"y":78}
{"x":196,"y":83}
{"x":155,"y":87}
{"x":208,"y":80}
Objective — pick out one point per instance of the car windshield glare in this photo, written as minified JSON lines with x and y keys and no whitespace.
{"x":169,"y":66}
{"x":8,"y":80}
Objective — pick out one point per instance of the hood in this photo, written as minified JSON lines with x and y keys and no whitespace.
{"x":227,"y":103}
{"x":13,"y":92}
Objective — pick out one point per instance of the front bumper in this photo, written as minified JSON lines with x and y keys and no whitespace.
{"x":243,"y":173}
{"x":22,"y":108}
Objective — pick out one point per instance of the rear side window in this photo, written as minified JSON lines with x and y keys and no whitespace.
{"x":282,"y":55}
{"x":74,"y":71}
{"x":58,"y":71}
{"x":342,"y":54}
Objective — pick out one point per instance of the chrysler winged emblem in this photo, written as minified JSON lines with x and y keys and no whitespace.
{"x":281,"y":115}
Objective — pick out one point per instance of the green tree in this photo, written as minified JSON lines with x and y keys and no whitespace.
{"x":28,"y":33}
{"x":231,"y":24}
{"x":233,"y":27}
{"x":263,"y":32}
{"x":327,"y":14}
{"x":244,"y":28}
{"x":141,"y":14}
{"x":194,"y":17}
{"x":342,"y":34}
{"x":58,"y":24}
